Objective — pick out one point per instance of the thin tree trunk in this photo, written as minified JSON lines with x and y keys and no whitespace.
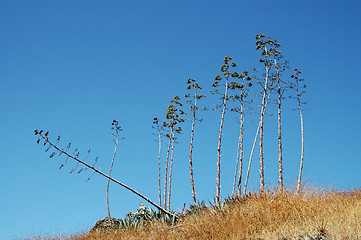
{"x":280,"y":162}
{"x":263,"y":110}
{"x":170,"y":173}
{"x":191,"y":150}
{"x":237,"y":160}
{"x":241,"y":156}
{"x":302,"y":151}
{"x":219,"y":145}
{"x":251,"y":155}
{"x":110,"y":173}
{"x":159,"y":154}
{"x":261,"y":166}
{"x":166,"y":170}
{"x":110,"y":178}
{"x":250,"y":160}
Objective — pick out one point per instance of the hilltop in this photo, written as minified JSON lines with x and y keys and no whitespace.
{"x":313,"y":215}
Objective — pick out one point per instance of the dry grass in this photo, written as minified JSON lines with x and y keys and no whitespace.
{"x":336,"y":215}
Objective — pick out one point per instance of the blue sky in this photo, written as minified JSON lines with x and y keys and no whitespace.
{"x":71,"y":67}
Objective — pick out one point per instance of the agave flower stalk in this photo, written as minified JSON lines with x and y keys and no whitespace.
{"x":241,"y":97}
{"x":250,"y":160}
{"x":218,"y":192}
{"x":117,"y":128}
{"x":192,"y":84}
{"x":159,"y":129}
{"x":166,"y":165}
{"x":173,"y":116}
{"x":280,"y":164}
{"x":225,"y":69}
{"x":299,"y":92}
{"x":265,"y":88}
{"x":46,"y":140}
{"x":252,"y":151}
{"x":239,"y":159}
{"x":279,"y":67}
{"x":170,"y":173}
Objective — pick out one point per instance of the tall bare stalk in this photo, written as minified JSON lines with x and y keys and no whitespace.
{"x":277,"y":55}
{"x":239,"y":158}
{"x":239,"y":182}
{"x":192,"y":84}
{"x":280,"y":164}
{"x":156,"y":125}
{"x":46,"y":140}
{"x":170,"y":173}
{"x":166,"y":167}
{"x":117,"y":129}
{"x":250,"y":161}
{"x":302,"y":154}
{"x":299,"y":93}
{"x":173,"y":117}
{"x":218,"y":192}
{"x":226,"y":75}
{"x":252,"y":151}
{"x":261,"y":44}
{"x":241,"y":97}
{"x":191,"y":156}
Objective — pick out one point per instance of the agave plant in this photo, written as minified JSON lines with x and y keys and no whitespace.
{"x":196,"y":208}
{"x":307,"y":236}
{"x":218,"y":205}
{"x":143,"y":216}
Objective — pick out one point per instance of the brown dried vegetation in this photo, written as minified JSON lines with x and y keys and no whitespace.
{"x":272,"y":215}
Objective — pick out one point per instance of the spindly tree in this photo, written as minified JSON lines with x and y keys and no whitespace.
{"x":266,"y":88}
{"x":193,"y":100}
{"x":117,"y":129}
{"x":279,"y":65}
{"x":298,"y":86}
{"x":159,"y":134}
{"x":226,"y":75}
{"x":272,"y":58}
{"x":50,"y":145}
{"x":173,"y":118}
{"x":251,"y":154}
{"x":241,"y":95}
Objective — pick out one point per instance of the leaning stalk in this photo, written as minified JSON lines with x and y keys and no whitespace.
{"x":251,"y":155}
{"x":108,"y":177}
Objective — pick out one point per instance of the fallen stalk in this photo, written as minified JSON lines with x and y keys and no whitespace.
{"x":104,"y":175}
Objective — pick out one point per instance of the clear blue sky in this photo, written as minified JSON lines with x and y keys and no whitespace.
{"x":71,"y":67}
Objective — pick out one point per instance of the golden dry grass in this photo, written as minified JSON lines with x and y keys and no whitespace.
{"x":262,"y":216}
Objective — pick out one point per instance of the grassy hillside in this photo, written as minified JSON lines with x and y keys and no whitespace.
{"x":314,"y":215}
